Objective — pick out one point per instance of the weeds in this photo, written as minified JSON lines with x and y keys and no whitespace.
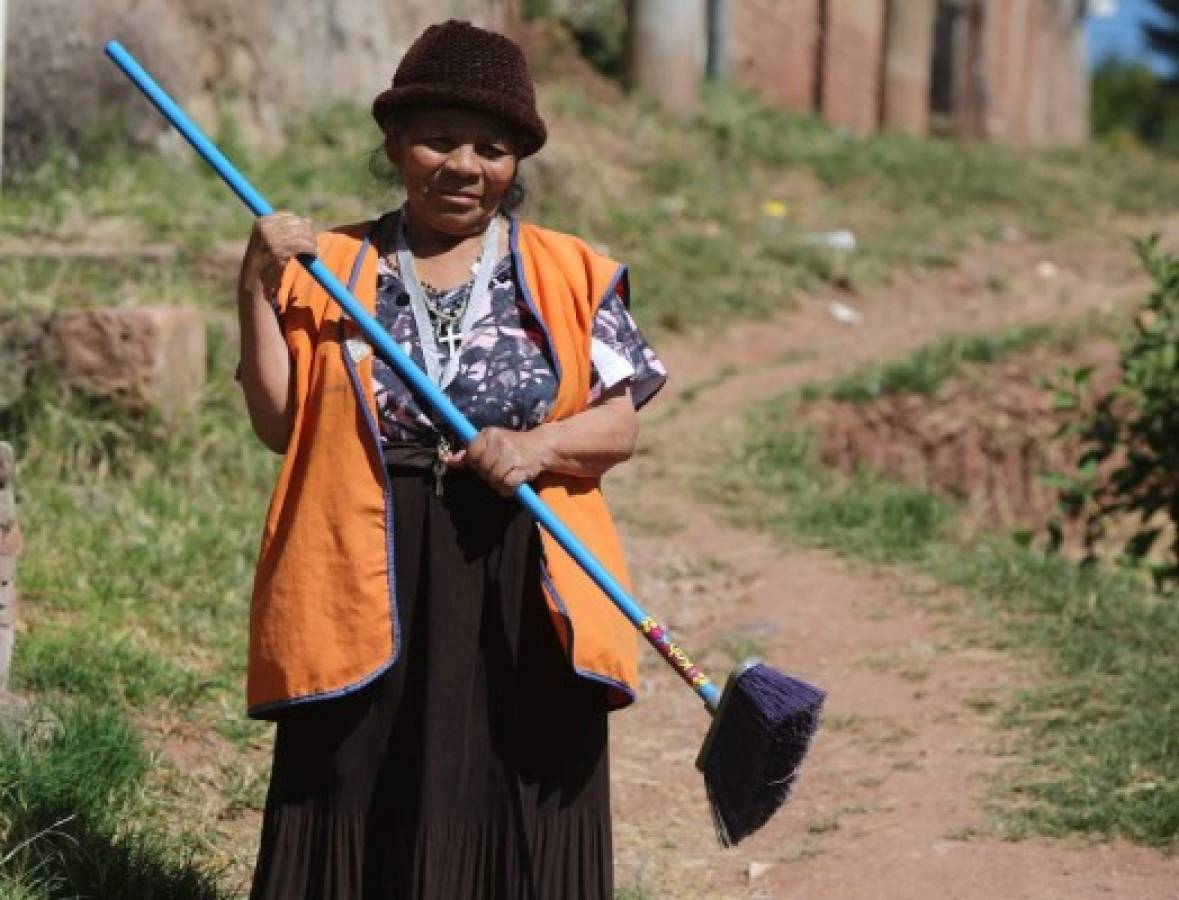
{"x":141,"y":536}
{"x":63,"y":811}
{"x":928,"y":368}
{"x":1124,"y":472}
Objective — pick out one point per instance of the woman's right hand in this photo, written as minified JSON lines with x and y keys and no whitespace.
{"x":274,"y":241}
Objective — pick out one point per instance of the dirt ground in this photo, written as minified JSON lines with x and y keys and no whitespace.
{"x":891,"y":803}
{"x":986,"y":436}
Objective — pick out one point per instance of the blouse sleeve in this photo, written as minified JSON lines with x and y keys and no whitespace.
{"x":621,"y":353}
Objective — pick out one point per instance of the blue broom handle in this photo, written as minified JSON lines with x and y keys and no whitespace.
{"x":416,"y":378}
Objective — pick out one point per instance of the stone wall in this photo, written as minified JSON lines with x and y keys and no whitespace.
{"x":263,"y":60}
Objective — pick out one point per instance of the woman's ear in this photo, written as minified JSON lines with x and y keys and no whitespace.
{"x":393,"y":148}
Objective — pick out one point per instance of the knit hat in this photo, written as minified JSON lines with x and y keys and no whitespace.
{"x":457,"y":64}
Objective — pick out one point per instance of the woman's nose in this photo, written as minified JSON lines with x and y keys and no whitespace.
{"x":461,"y":160}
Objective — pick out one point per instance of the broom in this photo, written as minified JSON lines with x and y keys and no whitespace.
{"x":763,"y":722}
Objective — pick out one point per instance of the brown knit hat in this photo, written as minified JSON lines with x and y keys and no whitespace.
{"x":457,"y":64}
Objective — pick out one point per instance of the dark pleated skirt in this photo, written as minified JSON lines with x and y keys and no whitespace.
{"x":476,"y":767}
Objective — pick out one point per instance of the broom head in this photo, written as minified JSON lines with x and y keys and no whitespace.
{"x":761,"y":731}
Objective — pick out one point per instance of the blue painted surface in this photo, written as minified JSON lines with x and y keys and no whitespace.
{"x":1121,"y":36}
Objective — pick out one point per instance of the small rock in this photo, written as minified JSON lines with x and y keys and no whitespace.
{"x":672,"y":205}
{"x":757,"y":870}
{"x":1046,"y":269}
{"x":844,"y":314}
{"x":22,"y":719}
{"x":144,"y":356}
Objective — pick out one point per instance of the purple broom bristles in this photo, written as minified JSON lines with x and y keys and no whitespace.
{"x":759,"y":736}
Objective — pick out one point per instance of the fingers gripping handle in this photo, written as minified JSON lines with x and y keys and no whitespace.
{"x":415,"y":377}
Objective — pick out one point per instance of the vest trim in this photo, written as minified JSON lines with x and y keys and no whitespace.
{"x":626,"y":695}
{"x":522,"y":282}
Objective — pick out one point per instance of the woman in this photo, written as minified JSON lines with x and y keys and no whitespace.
{"x":440,"y":671}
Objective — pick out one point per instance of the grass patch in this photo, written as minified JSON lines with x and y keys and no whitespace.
{"x":928,"y":368}
{"x":683,"y":202}
{"x":1097,"y":729}
{"x":77,"y":664}
{"x":64,"y":810}
{"x":141,"y":542}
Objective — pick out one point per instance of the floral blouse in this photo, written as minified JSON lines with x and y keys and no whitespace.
{"x":505,"y":377}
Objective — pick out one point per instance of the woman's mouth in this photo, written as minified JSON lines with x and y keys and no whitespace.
{"x":458,"y":198}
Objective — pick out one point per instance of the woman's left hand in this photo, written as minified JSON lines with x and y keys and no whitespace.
{"x":506,"y":459}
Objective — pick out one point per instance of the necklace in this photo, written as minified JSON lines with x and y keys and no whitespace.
{"x":447,"y":323}
{"x":435,"y":325}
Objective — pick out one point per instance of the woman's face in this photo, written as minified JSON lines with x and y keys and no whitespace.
{"x":456,"y":165}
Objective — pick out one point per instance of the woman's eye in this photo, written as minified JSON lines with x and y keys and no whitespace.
{"x":492,"y":151}
{"x":441,"y":144}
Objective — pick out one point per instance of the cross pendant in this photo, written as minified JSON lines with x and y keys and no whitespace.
{"x":451,"y":337}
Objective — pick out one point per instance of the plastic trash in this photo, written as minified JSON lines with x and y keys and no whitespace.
{"x":843,"y":239}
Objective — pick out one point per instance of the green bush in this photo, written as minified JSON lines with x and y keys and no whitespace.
{"x":1126,"y":468}
{"x":1129,"y":101}
{"x":598,"y":27}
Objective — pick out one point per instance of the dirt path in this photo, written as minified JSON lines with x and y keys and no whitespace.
{"x":892,"y":802}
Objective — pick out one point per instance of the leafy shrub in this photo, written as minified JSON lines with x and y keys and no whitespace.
{"x":1127,"y":469}
{"x":1128,"y":101}
{"x":598,"y":27}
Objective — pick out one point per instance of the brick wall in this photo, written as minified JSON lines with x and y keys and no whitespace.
{"x":1018,"y":70}
{"x":853,"y":55}
{"x":774,"y":47}
{"x":1036,"y":88}
{"x":908,"y":51}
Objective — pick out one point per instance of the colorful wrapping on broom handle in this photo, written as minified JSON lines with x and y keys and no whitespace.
{"x":655,"y":633}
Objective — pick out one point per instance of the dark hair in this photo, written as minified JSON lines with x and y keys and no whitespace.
{"x":386,"y":173}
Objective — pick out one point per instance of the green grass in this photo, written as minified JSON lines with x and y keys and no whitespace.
{"x":65,"y":808}
{"x":141,"y":540}
{"x":1097,"y":729}
{"x":925,"y":370}
{"x":680,"y":201}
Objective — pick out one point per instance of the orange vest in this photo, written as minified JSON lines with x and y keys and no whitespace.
{"x":324,"y":616}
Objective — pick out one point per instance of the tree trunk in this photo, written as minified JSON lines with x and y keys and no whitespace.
{"x":665,"y":39}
